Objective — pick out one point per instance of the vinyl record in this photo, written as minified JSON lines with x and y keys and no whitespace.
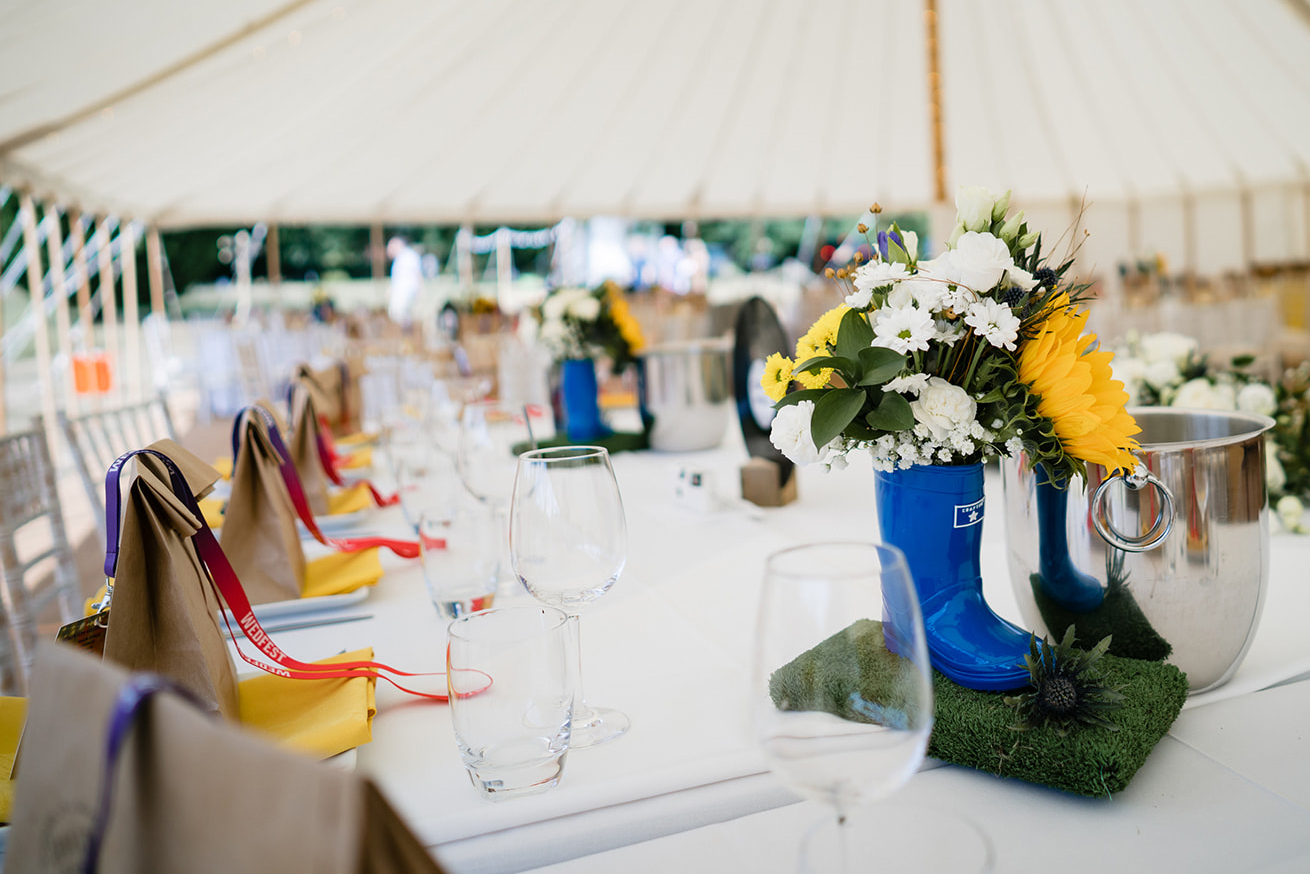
{"x":759,"y":334}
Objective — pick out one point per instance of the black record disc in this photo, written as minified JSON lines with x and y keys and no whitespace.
{"x":759,"y":334}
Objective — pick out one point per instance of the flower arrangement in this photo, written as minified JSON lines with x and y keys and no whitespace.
{"x":589,"y":323}
{"x":977,"y":353}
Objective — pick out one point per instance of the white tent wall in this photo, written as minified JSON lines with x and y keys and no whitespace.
{"x":400,"y":111}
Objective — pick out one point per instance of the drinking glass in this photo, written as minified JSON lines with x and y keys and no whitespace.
{"x":511,"y":698}
{"x":427,"y":484}
{"x":461,"y":561}
{"x":842,"y":688}
{"x":568,"y":544}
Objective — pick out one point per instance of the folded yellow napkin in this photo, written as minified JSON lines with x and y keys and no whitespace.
{"x":212,"y":510}
{"x":13,"y":711}
{"x":341,"y":572}
{"x":357,"y":458}
{"x":224,"y":467}
{"x":359,"y":438}
{"x":351,"y":499}
{"x":319,"y":717}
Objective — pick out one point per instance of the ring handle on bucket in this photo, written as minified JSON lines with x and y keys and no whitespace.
{"x":1160,"y":528}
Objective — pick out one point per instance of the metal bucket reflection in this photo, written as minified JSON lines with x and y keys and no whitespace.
{"x":1173,"y":564}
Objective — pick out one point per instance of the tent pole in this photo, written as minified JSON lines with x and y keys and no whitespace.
{"x":155,"y":266}
{"x":36,"y":292}
{"x":935,"y":97}
{"x":108,"y":304}
{"x":273,"y":250}
{"x":131,"y":314}
{"x":83,"y":279}
{"x":59,"y":290}
{"x":377,"y":252}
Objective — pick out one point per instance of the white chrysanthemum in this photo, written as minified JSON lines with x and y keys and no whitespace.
{"x":585,"y":309}
{"x":927,"y":293}
{"x":903,"y":329}
{"x":912,"y":384}
{"x":948,"y":332}
{"x":995,"y":321}
{"x":859,"y":298}
{"x":876,"y":274}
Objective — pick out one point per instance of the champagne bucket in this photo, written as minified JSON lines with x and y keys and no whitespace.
{"x":1172,"y":560}
{"x":685,"y":392}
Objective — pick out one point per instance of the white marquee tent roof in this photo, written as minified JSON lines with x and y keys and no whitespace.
{"x":1181,"y":115}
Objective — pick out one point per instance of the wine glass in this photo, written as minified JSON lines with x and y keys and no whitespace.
{"x":491,"y":435}
{"x":842,"y":687}
{"x":568,"y":542}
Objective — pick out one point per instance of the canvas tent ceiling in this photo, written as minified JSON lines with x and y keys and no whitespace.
{"x":1186,"y":122}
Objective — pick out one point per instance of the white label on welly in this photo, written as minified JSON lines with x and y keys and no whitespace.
{"x":968,"y":514}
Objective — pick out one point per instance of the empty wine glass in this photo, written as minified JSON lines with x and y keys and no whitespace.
{"x":568,"y":544}
{"x":842,"y":688}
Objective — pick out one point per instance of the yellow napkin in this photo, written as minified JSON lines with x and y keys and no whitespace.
{"x":224,"y":467}
{"x":359,"y":438}
{"x":361,"y":457}
{"x":320,"y":717}
{"x":351,"y":499}
{"x":13,"y":712}
{"x":341,"y":572}
{"x":212,"y":510}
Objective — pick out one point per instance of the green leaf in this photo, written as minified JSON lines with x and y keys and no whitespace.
{"x":879,"y":364}
{"x":893,"y":413}
{"x":833,"y":412}
{"x":805,"y":394}
{"x":853,"y":334}
{"x":810,"y":365}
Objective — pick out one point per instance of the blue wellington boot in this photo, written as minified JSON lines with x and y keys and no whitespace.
{"x":934,"y":515}
{"x":581,"y":394}
{"x":1065,"y":584}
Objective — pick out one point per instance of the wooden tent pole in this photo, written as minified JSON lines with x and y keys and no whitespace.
{"x":59,"y":290}
{"x":36,"y":291}
{"x":273,"y":249}
{"x":377,"y":252}
{"x":935,"y":99}
{"x":131,"y":315}
{"x":108,"y":303}
{"x":83,"y":278}
{"x":155,"y":267}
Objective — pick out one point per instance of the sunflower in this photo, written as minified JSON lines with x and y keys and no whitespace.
{"x":818,"y":341}
{"x":777,"y":375}
{"x":1076,"y":390}
{"x":621,"y":315}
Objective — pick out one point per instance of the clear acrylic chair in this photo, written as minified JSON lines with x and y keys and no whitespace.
{"x":32,"y":537}
{"x":98,"y":438}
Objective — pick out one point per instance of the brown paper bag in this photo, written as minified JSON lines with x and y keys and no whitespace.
{"x":164,"y":615}
{"x":190,"y":793}
{"x":303,"y":445}
{"x":259,"y":534}
{"x":328,"y":390}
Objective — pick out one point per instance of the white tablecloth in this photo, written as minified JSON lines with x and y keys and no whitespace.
{"x":670,"y":645}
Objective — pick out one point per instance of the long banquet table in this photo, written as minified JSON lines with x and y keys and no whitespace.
{"x":1227,"y":790}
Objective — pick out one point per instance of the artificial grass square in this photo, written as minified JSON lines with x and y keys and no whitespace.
{"x":978,"y":729}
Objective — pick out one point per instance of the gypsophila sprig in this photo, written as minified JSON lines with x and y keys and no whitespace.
{"x":589,"y":323}
{"x":976,"y":353}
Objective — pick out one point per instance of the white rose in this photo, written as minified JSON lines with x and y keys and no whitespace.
{"x":1168,"y":346}
{"x":1201,"y":395}
{"x":911,"y":241}
{"x":1256,"y":397}
{"x":981,"y":260}
{"x":1289,"y":511}
{"x":790,"y":433}
{"x":944,"y":407}
{"x":554,"y":306}
{"x":585,"y":309}
{"x":1022,"y":278}
{"x":973,"y":207}
{"x":554,"y":333}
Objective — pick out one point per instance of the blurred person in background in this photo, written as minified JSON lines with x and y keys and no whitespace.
{"x":406,"y":280}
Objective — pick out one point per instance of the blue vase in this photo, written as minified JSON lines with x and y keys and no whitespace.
{"x":934,"y":515}
{"x":581,"y":395}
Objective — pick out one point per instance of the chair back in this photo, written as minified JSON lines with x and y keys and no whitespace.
{"x":31,"y":534}
{"x":98,"y":438}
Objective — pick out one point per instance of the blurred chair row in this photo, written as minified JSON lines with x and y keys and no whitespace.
{"x":39,"y":568}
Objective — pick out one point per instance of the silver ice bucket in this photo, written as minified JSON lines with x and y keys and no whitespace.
{"x":685,"y":393}
{"x":1173,"y":560}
